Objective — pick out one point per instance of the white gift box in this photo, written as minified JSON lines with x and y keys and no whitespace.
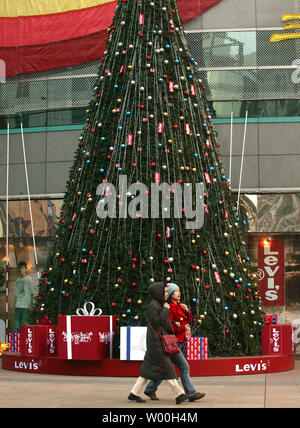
{"x":133,"y":343}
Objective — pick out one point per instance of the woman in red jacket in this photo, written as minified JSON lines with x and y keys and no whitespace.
{"x":180,"y":317}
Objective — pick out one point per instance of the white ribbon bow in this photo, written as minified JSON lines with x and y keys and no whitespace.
{"x":84,"y":311}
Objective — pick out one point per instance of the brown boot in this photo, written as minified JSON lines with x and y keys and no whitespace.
{"x":196,"y":396}
{"x":152,"y":396}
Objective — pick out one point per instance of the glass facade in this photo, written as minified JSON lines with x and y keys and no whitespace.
{"x":277,"y":216}
{"x":240,"y":68}
{"x":240,"y":48}
{"x":45,"y":214}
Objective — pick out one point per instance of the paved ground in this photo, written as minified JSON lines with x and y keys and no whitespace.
{"x":29,"y":390}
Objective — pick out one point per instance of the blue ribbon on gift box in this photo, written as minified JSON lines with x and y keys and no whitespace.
{"x":128,"y":344}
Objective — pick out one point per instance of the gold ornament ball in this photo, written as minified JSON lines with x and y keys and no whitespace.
{"x":139,"y":302}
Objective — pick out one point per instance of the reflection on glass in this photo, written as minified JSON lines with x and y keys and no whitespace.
{"x":248,"y":84}
{"x":44,"y":212}
{"x":291,"y":311}
{"x":250,"y":204}
{"x":225,"y":49}
{"x":278,"y":212}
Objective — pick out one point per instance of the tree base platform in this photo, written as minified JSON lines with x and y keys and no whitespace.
{"x":116,"y":368}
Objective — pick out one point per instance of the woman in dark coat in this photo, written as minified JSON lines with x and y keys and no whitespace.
{"x":157,"y":365}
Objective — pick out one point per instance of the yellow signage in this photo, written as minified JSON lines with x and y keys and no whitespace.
{"x":278,"y":37}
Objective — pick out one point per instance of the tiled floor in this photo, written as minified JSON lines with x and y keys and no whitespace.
{"x":53,"y":391}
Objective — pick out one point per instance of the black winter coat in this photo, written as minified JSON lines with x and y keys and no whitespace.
{"x":157,"y":365}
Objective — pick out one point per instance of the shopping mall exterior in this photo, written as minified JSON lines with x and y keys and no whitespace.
{"x":254,"y":89}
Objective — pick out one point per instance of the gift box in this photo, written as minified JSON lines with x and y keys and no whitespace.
{"x":277,"y":339}
{"x":270,"y":319}
{"x":85,"y":337}
{"x":195,"y":348}
{"x":14,"y":342}
{"x":38,"y":340}
{"x":133,"y":343}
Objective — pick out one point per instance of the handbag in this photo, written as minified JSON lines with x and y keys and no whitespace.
{"x":168,"y":341}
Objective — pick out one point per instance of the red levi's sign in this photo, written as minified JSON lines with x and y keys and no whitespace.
{"x":271,"y":272}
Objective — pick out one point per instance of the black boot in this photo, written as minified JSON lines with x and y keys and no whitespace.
{"x":180,"y":398}
{"x":133,"y":397}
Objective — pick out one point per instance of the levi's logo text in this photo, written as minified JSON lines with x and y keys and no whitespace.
{"x":271,"y":272}
{"x":259,"y":367}
{"x":80,"y":337}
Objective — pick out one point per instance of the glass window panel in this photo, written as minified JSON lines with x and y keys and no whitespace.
{"x":230,"y":84}
{"x":250,"y":84}
{"x":278,"y":212}
{"x":242,"y":48}
{"x":223,"y":49}
{"x":256,"y":108}
{"x":280,"y":53}
{"x":277,"y":83}
{"x":59,"y":117}
{"x":291,"y":311}
{"x":45,"y":214}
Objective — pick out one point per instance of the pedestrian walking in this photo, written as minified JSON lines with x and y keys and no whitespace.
{"x":180,"y":318}
{"x":157,"y":365}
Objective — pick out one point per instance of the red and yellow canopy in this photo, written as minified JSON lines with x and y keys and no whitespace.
{"x":38,"y":35}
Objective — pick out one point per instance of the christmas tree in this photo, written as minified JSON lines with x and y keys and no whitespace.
{"x":148,"y":161}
